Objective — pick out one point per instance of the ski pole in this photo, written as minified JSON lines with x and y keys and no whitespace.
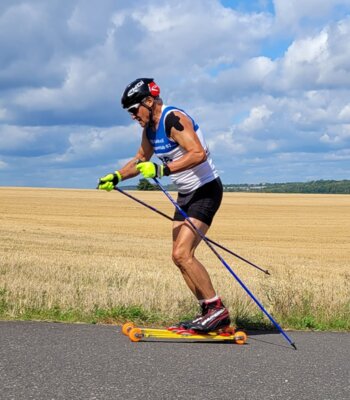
{"x":225,"y":264}
{"x":143,"y":203}
{"x":210,"y":240}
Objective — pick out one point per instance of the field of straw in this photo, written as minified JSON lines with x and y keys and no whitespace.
{"x":95,"y":256}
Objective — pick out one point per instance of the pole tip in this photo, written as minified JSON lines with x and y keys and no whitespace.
{"x":295,"y":347}
{"x":267,"y":272}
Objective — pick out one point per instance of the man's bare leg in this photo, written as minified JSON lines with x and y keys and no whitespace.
{"x":185,"y":242}
{"x":214,"y":314}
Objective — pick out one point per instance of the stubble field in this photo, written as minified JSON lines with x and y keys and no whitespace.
{"x":85,"y":255}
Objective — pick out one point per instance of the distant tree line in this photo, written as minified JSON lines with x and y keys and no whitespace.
{"x":145,"y":184}
{"x":320,"y":186}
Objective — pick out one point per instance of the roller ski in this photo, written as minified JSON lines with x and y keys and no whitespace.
{"x":228,"y":334}
{"x":213,"y":324}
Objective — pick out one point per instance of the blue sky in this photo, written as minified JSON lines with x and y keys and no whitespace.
{"x":267,"y":81}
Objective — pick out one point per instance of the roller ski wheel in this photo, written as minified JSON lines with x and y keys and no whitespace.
{"x":135,"y":334}
{"x":126,"y":328}
{"x":240,"y":337}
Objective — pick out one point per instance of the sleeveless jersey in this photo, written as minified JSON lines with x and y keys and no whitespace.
{"x":168,"y":150}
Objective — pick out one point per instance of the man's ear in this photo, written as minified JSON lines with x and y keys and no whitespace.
{"x":149,"y":101}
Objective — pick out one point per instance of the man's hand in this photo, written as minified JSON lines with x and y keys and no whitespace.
{"x":150,"y":170}
{"x":108,"y":181}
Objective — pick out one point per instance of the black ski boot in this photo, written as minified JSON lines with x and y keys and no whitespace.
{"x":185,"y":324}
{"x":215,"y":318}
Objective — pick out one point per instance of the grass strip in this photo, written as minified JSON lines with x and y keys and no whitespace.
{"x":140,"y":316}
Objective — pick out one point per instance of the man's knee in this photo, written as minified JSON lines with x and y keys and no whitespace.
{"x":181,"y":258}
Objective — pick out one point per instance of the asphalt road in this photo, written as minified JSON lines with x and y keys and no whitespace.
{"x":75,"y":361}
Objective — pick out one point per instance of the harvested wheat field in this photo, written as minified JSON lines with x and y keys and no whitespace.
{"x":85,"y":255}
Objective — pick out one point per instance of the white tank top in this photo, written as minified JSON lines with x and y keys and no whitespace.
{"x":168,"y":150}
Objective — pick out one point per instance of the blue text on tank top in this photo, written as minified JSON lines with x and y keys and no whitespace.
{"x":159,"y":139}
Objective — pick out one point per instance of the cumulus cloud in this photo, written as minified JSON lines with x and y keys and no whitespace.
{"x":89,"y":72}
{"x":318,"y":61}
{"x":62,"y":73}
{"x":344,"y":114}
{"x":91,"y":146}
{"x":298,"y":16}
{"x":3,"y":164}
{"x":31,"y":141}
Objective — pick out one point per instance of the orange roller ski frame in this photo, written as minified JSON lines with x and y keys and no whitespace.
{"x":137,"y":334}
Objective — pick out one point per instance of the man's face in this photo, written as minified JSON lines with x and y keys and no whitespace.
{"x":140,"y":113}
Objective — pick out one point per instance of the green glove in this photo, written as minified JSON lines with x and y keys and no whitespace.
{"x":108,"y":181}
{"x":150,"y":170}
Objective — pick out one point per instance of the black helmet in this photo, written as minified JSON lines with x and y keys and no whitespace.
{"x":138,"y":90}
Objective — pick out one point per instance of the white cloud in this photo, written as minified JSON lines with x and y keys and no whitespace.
{"x":344,"y":114}
{"x":3,"y":114}
{"x":319,"y":61}
{"x":341,"y":155}
{"x":291,"y":16}
{"x":257,"y":119}
{"x":337,"y":134}
{"x":93,"y":145}
{"x":91,"y":77}
{"x":60,"y":101}
{"x":83,"y":85}
{"x":14,"y":137}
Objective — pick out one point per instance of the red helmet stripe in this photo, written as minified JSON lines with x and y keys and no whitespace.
{"x":154,"y":89}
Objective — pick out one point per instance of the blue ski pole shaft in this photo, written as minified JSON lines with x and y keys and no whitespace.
{"x":226,"y":265}
{"x":210,"y":240}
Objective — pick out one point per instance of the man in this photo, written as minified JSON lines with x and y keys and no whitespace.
{"x":174,"y":137}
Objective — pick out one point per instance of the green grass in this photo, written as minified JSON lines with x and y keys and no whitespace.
{"x":298,"y":318}
{"x":138,"y":315}
{"x":309,"y":322}
{"x":111,"y":316}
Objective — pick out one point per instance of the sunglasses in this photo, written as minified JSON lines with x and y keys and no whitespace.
{"x":133,"y":110}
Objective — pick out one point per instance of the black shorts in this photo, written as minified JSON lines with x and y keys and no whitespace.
{"x":202,"y":203}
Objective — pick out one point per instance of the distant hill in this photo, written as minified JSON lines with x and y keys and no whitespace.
{"x":320,"y":186}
